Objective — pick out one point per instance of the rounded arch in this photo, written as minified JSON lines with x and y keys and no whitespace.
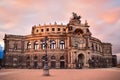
{"x":35,"y":61}
{"x":81,"y":58}
{"x":53,"y":61}
{"x":28,"y":62}
{"x":62,"y":62}
{"x":79,"y":31}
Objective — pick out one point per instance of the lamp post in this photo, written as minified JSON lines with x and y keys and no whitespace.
{"x":45,"y":68}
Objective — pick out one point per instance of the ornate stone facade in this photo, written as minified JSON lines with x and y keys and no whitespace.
{"x":69,"y":46}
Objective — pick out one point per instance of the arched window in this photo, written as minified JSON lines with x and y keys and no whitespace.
{"x":28,"y":45}
{"x":43,"y":44}
{"x":36,"y":46}
{"x":53,"y":45}
{"x":62,"y":44}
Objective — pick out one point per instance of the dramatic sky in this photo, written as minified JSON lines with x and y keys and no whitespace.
{"x":103,"y":16}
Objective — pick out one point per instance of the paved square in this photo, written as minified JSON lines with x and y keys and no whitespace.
{"x":61,"y":74}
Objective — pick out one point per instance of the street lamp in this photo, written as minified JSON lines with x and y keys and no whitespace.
{"x":45,"y":68}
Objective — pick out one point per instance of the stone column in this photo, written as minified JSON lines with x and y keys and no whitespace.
{"x":67,"y":42}
{"x":88,"y":43}
{"x":57,"y":43}
{"x":31,"y":49}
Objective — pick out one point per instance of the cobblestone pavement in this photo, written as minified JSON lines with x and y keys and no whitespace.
{"x":61,"y":74}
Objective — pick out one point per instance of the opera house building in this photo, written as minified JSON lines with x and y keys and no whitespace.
{"x":67,"y":46}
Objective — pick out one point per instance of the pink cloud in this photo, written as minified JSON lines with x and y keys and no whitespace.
{"x":7,"y":19}
{"x":93,"y":3}
{"x":111,"y":16}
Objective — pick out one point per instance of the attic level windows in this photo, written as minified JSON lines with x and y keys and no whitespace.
{"x":42,"y":30}
{"x":63,"y":29}
{"x":37,"y":30}
{"x":58,"y":29}
{"x":53,"y":29}
{"x":47,"y":29}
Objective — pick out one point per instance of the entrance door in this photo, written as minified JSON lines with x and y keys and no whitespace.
{"x":35,"y":64}
{"x":80,"y":60}
{"x":28,"y":64}
{"x":53,"y":64}
{"x":43,"y":63}
{"x":62,"y":64}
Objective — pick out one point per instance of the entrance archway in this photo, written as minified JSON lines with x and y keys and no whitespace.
{"x":62,"y":62}
{"x":53,"y":64}
{"x":35,"y":62}
{"x":80,"y":61}
{"x":43,"y":61}
{"x":28,"y":62}
{"x":53,"y":61}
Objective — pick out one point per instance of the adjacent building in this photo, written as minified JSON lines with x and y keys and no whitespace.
{"x":68,"y":46}
{"x":1,"y":56}
{"x":114,"y":60}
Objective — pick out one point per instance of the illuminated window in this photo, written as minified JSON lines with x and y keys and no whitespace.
{"x":43,"y":44}
{"x":28,"y":45}
{"x":62,"y":44}
{"x":36,"y":46}
{"x":53,"y":45}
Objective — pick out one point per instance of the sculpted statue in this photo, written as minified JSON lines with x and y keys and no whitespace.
{"x":75,"y":16}
{"x":75,"y":20}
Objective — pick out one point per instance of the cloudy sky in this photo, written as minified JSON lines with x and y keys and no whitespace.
{"x":103,"y":16}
